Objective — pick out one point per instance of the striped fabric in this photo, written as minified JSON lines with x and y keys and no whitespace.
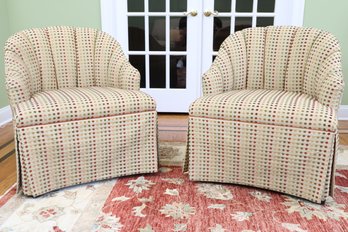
{"x":78,"y":113}
{"x":268,"y":117}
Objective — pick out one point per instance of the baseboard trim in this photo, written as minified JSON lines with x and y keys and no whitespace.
{"x":343,"y":112}
{"x":5,"y":115}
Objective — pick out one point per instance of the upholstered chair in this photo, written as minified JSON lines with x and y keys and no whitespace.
{"x":78,"y":113}
{"x":268,"y":114}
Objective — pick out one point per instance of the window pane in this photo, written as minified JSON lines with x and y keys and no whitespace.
{"x":244,"y":5}
{"x":157,"y":33}
{"x":178,"y":33}
{"x":157,"y":71}
{"x":136,"y":34}
{"x":135,"y":5}
{"x":177,"y":72}
{"x":222,"y":29}
{"x":242,"y":23}
{"x":157,"y":5}
{"x":178,"y":5}
{"x":264,"y":21}
{"x":223,"y":5}
{"x":213,"y":58}
{"x":265,"y":5}
{"x":138,"y":61}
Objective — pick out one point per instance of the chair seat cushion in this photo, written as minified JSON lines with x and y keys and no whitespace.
{"x":71,"y":104}
{"x":272,"y":107}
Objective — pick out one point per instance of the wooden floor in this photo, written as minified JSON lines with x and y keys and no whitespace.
{"x":171,"y":127}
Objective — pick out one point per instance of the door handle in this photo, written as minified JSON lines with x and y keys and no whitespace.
{"x":208,"y":13}
{"x":192,"y":13}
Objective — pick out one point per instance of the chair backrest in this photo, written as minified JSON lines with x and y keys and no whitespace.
{"x":62,"y":57}
{"x":278,"y":57}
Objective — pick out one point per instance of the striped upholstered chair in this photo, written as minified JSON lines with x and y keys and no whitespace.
{"x":268,"y":117}
{"x":78,"y":113}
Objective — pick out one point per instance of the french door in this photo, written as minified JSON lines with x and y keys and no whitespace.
{"x":172,"y":42}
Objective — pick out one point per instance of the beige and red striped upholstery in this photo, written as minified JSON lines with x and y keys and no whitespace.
{"x":78,"y":113}
{"x":268,"y":117}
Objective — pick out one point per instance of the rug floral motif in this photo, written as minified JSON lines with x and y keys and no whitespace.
{"x":168,"y":201}
{"x":64,"y":210}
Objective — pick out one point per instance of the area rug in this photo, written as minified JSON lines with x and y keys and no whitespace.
{"x":168,"y":201}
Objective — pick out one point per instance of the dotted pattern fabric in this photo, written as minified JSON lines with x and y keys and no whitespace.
{"x":70,"y":104}
{"x":279,"y":58}
{"x":268,"y":117}
{"x":289,"y":160}
{"x":78,"y":113}
{"x":273,"y":107}
{"x":64,"y":57}
{"x":57,"y":155}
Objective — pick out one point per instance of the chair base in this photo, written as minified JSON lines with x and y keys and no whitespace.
{"x":58,"y":155}
{"x":294,"y":161}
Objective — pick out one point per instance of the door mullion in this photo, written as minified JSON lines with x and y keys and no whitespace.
{"x":233,"y":16}
{"x":147,"y":57}
{"x":167,"y":44}
{"x":254,"y":13}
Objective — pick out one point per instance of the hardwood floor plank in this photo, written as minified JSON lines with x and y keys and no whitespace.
{"x":6,"y":133}
{"x":343,"y":126}
{"x":173,"y":120}
{"x":343,"y":139}
{"x":8,"y":174}
{"x":5,"y":144}
{"x":6,"y":149}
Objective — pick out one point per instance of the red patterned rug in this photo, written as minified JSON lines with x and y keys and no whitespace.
{"x":168,"y":201}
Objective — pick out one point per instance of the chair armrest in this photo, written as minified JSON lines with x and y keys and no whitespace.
{"x":330,"y":82}
{"x":17,"y":82}
{"x":330,"y":90}
{"x":212,"y":81}
{"x":129,"y":77}
{"x":121,"y":74}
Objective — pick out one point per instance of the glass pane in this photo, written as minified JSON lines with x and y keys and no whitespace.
{"x":136,"y":33}
{"x":157,"y":71}
{"x":157,"y":33}
{"x":213,"y":58}
{"x":222,"y":5}
{"x":178,"y":33}
{"x":177,"y":72}
{"x":135,"y":5}
{"x":157,"y":5}
{"x":222,"y":29}
{"x":265,"y":5}
{"x":138,"y":61}
{"x":264,"y":21}
{"x":244,"y":5}
{"x":178,"y":5}
{"x":242,"y":23}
